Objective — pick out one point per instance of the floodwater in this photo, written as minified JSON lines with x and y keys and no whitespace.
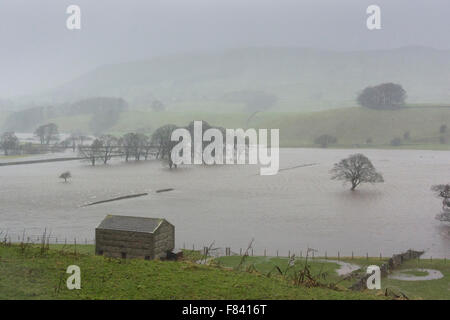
{"x":296,"y":209}
{"x":431,"y":274}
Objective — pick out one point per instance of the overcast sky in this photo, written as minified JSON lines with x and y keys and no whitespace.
{"x":37,"y":51}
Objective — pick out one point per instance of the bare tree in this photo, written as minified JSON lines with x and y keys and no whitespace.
{"x":325,"y":140}
{"x":73,"y":140}
{"x":161,"y":140}
{"x":146,"y":146}
{"x":65,"y":175}
{"x":356,"y":169}
{"x":93,"y":152}
{"x":132,"y":145}
{"x":443,"y":191}
{"x":47,"y":133}
{"x":126,"y":143}
{"x":109,"y":146}
{"x":8,"y":141}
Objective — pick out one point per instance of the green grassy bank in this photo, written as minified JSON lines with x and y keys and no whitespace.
{"x":33,"y":274}
{"x":353,"y":127}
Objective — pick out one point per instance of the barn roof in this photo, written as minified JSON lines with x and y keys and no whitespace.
{"x":127,"y":223}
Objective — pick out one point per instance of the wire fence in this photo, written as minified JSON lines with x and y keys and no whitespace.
{"x":210,"y":249}
{"x":311,"y":253}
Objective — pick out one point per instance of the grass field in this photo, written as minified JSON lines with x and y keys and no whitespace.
{"x":431,"y":289}
{"x":32,"y":274}
{"x":35,"y":275}
{"x":353,"y":127}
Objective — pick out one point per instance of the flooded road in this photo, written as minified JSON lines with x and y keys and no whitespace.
{"x":300,"y":207}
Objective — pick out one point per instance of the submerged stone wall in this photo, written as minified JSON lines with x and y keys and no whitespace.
{"x":394,"y":262}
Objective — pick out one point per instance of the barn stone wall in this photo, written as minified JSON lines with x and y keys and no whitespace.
{"x":112,"y":243}
{"x":164,"y":239}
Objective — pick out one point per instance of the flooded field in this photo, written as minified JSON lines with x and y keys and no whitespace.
{"x":300,"y":207}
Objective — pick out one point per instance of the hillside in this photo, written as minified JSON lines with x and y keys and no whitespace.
{"x":352,"y":126}
{"x":33,"y":274}
{"x":301,"y":79}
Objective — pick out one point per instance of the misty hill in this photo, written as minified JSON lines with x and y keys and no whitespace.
{"x":299,"y":79}
{"x":104,"y":110}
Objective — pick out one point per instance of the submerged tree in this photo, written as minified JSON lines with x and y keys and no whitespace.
{"x":8,"y":141}
{"x":161,"y":139}
{"x":133,"y":144}
{"x":110,"y":146}
{"x":65,"y":175}
{"x":443,"y":191}
{"x":93,"y":152}
{"x":47,"y":133}
{"x":356,"y":169}
{"x":325,"y":140}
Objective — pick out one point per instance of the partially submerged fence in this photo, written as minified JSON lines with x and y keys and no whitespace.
{"x":312,"y":253}
{"x":210,"y":250}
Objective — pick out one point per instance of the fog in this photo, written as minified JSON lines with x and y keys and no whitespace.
{"x":38,"y":51}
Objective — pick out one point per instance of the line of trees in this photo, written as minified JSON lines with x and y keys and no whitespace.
{"x":105,"y":147}
{"x":137,"y":146}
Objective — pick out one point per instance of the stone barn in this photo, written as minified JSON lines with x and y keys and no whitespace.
{"x":134,"y":237}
